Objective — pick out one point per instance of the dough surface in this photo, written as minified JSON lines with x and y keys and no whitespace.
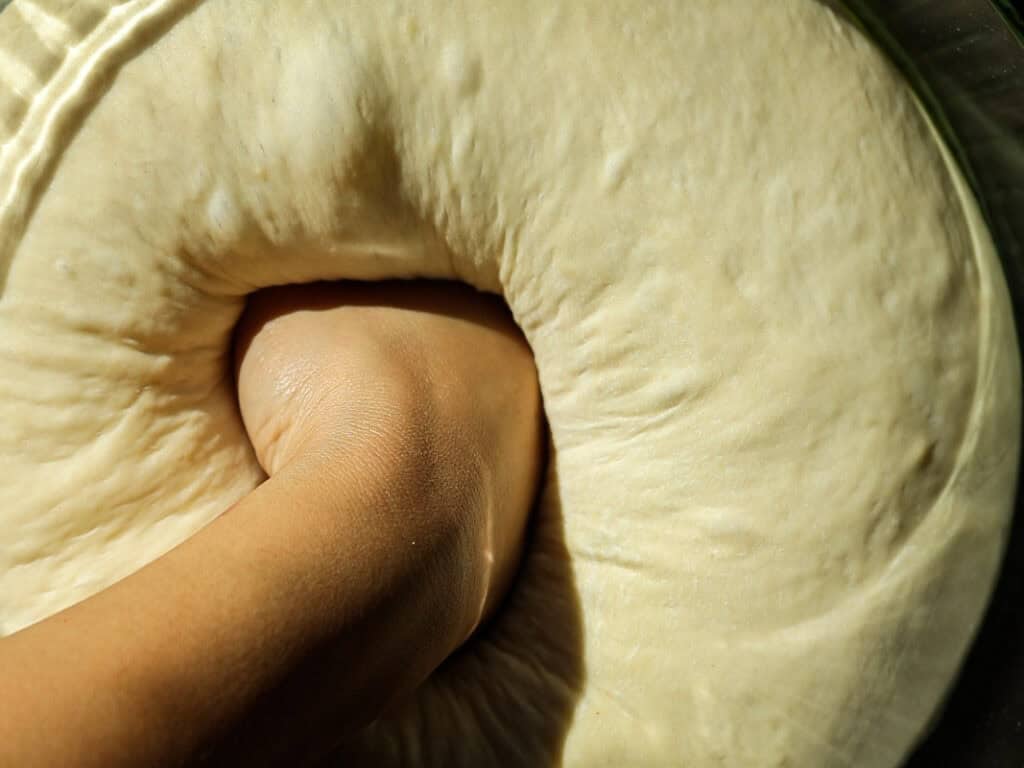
{"x":774,"y":341}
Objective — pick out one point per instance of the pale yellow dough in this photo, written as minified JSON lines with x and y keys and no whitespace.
{"x":774,"y":342}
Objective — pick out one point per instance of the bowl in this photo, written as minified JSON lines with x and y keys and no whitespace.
{"x":965,"y":59}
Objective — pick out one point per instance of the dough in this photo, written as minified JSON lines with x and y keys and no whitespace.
{"x":774,"y":342}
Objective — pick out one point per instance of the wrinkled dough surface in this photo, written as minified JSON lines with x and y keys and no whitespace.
{"x":773,"y":340}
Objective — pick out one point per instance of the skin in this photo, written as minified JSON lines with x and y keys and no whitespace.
{"x":400,"y":428}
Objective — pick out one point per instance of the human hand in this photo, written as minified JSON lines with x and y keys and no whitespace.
{"x":431,"y":383}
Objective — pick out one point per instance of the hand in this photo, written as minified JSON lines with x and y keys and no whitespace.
{"x":432,"y":383}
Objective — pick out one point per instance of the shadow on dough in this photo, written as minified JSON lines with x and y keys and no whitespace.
{"x":508,"y":697}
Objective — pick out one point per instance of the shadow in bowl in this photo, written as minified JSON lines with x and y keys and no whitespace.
{"x":508,"y":697}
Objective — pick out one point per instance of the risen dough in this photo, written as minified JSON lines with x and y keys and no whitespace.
{"x":774,"y":342}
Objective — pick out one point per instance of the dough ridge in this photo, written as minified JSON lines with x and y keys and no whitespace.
{"x":54,"y":55}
